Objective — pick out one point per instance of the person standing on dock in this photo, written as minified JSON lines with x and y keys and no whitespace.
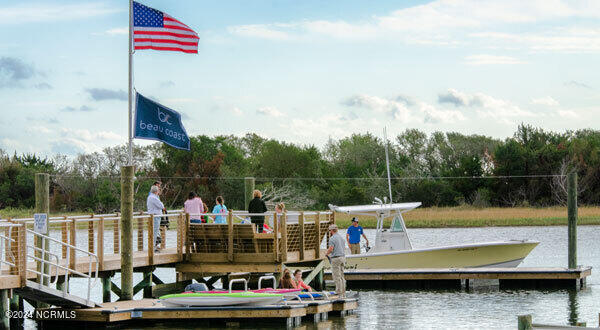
{"x":353,"y":236}
{"x":220,"y":208}
{"x":194,"y":207}
{"x":156,"y":183}
{"x":257,"y":205}
{"x":337,"y":258}
{"x":155,"y":207}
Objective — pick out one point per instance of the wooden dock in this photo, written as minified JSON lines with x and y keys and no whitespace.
{"x":151,"y":310}
{"x":507,"y":278}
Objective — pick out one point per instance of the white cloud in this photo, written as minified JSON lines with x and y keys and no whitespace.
{"x":567,"y":114}
{"x":51,"y":12}
{"x":392,"y":108}
{"x":12,"y":145}
{"x":417,"y":112}
{"x":485,"y":59}
{"x":547,"y":100}
{"x":236,"y":111}
{"x":88,"y":136}
{"x":38,"y":129}
{"x":485,"y":106}
{"x":119,"y":30}
{"x":434,"y":115}
{"x":334,"y":124}
{"x":445,"y":22}
{"x":269,"y":111}
{"x":502,"y":110}
{"x":568,"y":40}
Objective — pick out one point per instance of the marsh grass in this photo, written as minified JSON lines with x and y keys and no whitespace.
{"x":440,"y":217}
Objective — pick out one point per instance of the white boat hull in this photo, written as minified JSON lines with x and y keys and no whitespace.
{"x":219,"y":301}
{"x":493,"y":254}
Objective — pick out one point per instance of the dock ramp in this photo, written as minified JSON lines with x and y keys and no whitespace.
{"x":52,"y":296}
{"x":49,"y":266}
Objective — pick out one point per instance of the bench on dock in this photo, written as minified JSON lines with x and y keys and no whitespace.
{"x":231,"y":247}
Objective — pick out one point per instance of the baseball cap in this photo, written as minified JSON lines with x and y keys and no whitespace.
{"x":332,"y":227}
{"x":354,"y":219}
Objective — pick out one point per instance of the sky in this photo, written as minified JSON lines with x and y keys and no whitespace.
{"x":300,"y":71}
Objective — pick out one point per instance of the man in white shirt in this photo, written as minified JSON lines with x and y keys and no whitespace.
{"x":155,"y":206}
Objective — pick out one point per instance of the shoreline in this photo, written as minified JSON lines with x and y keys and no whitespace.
{"x":440,"y":217}
{"x":470,"y":217}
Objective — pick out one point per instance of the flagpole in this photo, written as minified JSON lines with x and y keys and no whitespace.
{"x":130,"y":98}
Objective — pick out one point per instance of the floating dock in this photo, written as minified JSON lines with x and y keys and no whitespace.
{"x":151,"y":310}
{"x":508,"y":278}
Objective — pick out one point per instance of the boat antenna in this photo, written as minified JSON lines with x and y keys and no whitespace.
{"x":387,"y":163}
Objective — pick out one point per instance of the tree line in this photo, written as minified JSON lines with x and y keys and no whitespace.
{"x":439,"y":169}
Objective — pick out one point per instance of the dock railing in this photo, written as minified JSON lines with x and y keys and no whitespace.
{"x":76,"y":239}
{"x":288,"y":237}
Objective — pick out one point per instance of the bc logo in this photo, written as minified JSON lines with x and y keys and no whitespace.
{"x":163,"y":117}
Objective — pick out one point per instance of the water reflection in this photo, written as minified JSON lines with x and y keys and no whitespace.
{"x":482,"y":306}
{"x":573,"y":307}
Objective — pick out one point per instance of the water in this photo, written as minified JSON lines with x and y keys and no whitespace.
{"x":482,"y":307}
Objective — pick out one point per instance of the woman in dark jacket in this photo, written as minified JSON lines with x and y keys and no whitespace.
{"x":257,"y":205}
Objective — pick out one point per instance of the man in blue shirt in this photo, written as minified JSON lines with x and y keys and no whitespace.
{"x":353,"y":236}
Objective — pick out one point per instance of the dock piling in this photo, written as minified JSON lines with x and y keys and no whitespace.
{"x":248,"y":189}
{"x":4,"y":307}
{"x":126,"y":232}
{"x":16,"y":305}
{"x":106,"y":284}
{"x":572,"y":216}
{"x":524,"y":322}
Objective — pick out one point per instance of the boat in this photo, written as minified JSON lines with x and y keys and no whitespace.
{"x":199,"y":299}
{"x":393,"y":247}
{"x":265,"y":290}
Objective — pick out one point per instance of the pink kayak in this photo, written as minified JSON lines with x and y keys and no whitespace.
{"x":266,"y":290}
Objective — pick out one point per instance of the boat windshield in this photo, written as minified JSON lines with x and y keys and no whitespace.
{"x":397,"y":224}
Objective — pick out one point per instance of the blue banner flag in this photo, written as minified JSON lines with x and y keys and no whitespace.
{"x":154,"y":121}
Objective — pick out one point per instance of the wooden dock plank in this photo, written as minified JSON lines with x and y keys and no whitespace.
{"x":152,"y":309}
{"x":345,"y":304}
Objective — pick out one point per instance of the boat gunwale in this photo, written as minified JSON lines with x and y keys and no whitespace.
{"x":446,"y":247}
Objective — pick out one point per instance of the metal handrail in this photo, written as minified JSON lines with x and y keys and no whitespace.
{"x":267,"y":277}
{"x":7,"y":243}
{"x":44,"y":261}
{"x":235,"y":280}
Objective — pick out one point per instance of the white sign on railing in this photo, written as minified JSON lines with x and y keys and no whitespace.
{"x":40,"y":223}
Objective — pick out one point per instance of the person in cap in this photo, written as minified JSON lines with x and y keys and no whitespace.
{"x":156,"y":183}
{"x":337,"y":258}
{"x":353,"y":234}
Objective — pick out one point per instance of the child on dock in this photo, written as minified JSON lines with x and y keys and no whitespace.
{"x":287,"y":282}
{"x":220,"y":208}
{"x":299,"y":283}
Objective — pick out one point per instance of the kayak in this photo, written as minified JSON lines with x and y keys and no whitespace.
{"x":220,"y":299}
{"x":307,"y":295}
{"x":265,"y":290}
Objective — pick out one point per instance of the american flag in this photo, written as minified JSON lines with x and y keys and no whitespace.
{"x":153,"y":29}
